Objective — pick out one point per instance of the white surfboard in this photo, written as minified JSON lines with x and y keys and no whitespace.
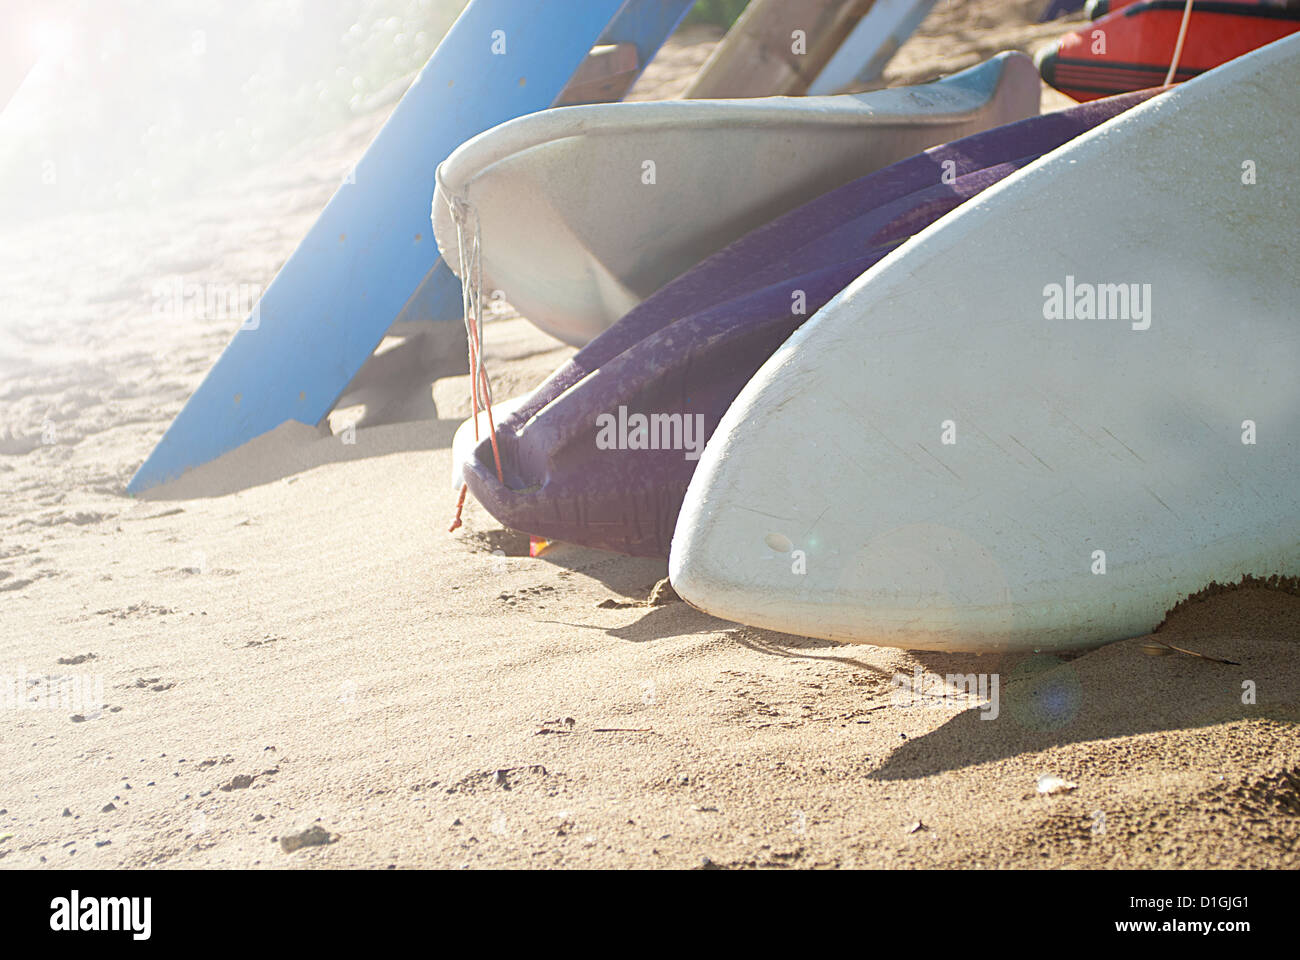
{"x":582,"y":212}
{"x":948,"y":457}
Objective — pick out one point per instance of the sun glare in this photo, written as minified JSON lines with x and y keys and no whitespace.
{"x":50,"y":38}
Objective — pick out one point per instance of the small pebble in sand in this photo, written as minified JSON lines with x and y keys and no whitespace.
{"x":311,"y":837}
{"x":1048,"y":784}
{"x":108,"y":808}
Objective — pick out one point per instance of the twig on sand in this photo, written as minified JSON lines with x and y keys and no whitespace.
{"x":1191,"y":653}
{"x":622,"y":730}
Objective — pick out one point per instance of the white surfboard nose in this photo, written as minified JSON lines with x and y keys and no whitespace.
{"x":925,"y":585}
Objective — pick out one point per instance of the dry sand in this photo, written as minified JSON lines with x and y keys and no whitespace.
{"x":290,"y":638}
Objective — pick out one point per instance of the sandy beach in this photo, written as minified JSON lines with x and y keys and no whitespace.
{"x":289,"y":638}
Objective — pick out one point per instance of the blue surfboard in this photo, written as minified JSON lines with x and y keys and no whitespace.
{"x":370,"y":258}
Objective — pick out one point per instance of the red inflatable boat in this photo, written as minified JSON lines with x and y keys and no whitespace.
{"x":1131,"y":47}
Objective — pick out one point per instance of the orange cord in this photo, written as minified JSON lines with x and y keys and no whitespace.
{"x":476,"y":382}
{"x":492,"y":432}
{"x":460,"y":505}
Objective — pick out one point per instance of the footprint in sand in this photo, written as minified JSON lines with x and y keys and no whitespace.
{"x":7,"y":581}
{"x":526,"y":594}
{"x":136,"y":610}
{"x":152,"y":684}
{"x":509,"y":543}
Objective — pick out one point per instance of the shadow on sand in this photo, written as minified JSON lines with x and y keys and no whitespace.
{"x":387,"y":408}
{"x":1047,"y":701}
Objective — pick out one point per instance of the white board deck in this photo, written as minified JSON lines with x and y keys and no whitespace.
{"x":1073,"y":437}
{"x":585,"y":211}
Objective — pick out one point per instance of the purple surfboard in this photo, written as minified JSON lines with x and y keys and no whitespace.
{"x":601,"y":453}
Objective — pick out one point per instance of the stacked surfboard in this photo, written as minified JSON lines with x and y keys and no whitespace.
{"x":915,"y":367}
{"x":878,"y":395}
